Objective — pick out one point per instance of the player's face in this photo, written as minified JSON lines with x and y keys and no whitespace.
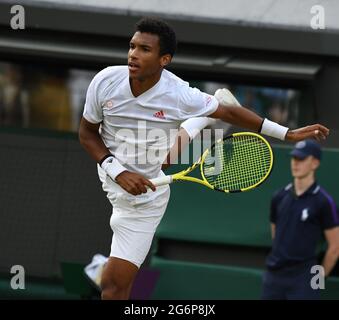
{"x":144,"y":60}
{"x":302,"y":168}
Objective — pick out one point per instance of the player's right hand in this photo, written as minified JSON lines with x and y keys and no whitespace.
{"x":134,"y":183}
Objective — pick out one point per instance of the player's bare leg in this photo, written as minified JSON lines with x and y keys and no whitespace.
{"x":117,"y":279}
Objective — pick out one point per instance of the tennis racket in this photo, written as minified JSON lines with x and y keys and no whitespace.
{"x":237,"y":163}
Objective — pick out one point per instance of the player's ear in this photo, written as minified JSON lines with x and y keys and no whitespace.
{"x":165,"y":60}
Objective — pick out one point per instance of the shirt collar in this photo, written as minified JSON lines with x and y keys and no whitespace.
{"x":313,"y":189}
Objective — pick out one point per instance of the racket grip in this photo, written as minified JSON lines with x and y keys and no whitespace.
{"x":162,"y":181}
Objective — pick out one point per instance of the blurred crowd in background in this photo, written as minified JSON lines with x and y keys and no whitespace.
{"x":53,"y":98}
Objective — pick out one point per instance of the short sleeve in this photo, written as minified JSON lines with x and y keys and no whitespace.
{"x":329,"y":217}
{"x":92,"y":110}
{"x":194,"y":125}
{"x":194,"y":103}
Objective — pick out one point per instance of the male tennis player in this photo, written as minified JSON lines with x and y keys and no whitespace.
{"x":129,"y":116}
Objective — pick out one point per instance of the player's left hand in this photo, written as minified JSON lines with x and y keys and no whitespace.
{"x":315,"y":131}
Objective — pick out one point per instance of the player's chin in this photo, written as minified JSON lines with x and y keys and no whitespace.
{"x":137,"y":77}
{"x":134,"y":73}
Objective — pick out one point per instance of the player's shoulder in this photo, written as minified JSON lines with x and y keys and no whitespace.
{"x":171,"y":79}
{"x":186,"y":94}
{"x":112,"y":73}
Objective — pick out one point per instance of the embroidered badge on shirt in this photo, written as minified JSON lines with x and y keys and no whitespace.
{"x":304,"y":214}
{"x":109,"y":104}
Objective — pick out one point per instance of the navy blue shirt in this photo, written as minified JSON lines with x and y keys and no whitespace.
{"x":300,"y":221}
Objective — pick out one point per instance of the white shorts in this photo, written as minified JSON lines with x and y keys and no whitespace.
{"x":134,"y":219}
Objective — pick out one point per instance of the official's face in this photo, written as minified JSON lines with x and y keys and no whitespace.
{"x":144,"y":60}
{"x":302,"y":168}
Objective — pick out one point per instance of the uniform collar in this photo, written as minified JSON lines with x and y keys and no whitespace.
{"x":313,"y":189}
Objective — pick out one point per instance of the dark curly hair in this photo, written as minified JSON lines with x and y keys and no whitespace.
{"x":167,"y":37}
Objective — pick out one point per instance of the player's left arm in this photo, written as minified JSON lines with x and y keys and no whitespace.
{"x":332,"y":252}
{"x":245,"y":118}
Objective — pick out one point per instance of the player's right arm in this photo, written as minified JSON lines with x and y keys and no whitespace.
{"x":90,"y":139}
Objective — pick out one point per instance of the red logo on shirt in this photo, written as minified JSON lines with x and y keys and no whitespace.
{"x":208,"y":100}
{"x":159,"y":114}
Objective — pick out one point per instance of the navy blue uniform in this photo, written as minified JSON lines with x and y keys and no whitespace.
{"x":300,"y":222}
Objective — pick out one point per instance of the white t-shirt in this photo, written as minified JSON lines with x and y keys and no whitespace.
{"x":139,"y":131}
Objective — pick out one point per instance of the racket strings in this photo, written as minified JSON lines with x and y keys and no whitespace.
{"x":238,"y":163}
{"x":249,"y":168}
{"x":243,"y":170}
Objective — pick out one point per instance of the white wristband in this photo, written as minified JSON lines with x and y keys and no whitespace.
{"x":194,"y":125}
{"x":112,"y":167}
{"x":273,"y":129}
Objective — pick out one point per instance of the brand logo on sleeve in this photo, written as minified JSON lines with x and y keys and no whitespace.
{"x":208,"y":100}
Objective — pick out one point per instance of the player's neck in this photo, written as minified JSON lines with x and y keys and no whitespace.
{"x":302,"y":184}
{"x":139,"y":86}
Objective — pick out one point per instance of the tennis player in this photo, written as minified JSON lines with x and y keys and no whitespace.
{"x":129,"y":117}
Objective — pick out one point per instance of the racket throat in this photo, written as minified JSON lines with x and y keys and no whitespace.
{"x":192,"y":179}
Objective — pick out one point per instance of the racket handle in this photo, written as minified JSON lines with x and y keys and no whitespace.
{"x":162,"y":181}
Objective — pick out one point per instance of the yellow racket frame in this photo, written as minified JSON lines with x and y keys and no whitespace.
{"x":182,"y":175}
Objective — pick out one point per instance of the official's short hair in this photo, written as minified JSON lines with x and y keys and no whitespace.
{"x":166,"y":34}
